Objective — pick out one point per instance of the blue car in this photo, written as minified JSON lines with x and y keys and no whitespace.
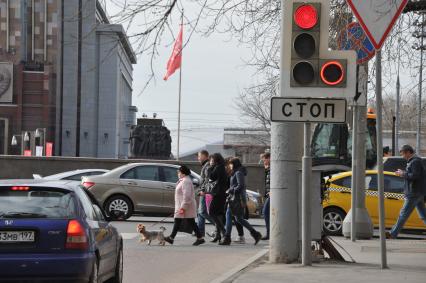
{"x":52,"y":232}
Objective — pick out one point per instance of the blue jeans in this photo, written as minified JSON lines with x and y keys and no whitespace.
{"x":238,"y":220}
{"x":202,"y":216}
{"x":411,"y":202}
{"x":266,"y":214}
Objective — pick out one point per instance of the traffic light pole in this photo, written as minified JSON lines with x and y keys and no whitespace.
{"x":358,"y":220}
{"x":286,"y":155}
{"x":285,"y":164}
{"x":380,"y":176}
{"x":355,"y":171}
{"x":306,"y":197}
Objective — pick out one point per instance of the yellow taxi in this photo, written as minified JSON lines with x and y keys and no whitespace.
{"x":337,"y":201}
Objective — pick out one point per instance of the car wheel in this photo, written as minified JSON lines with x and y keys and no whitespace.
{"x":333,"y":221}
{"x":121,"y":204}
{"x":118,"y":277}
{"x":94,"y":276}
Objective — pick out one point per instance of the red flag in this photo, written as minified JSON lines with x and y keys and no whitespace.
{"x":175,"y":60}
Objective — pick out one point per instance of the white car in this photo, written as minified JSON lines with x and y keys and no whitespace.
{"x":73,"y":177}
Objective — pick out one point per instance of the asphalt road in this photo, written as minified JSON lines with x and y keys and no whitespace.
{"x":183,"y":262}
{"x":180,"y":262}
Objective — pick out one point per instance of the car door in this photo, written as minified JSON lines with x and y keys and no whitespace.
{"x":169,"y":178}
{"x":394,"y":198}
{"x":101,"y":232}
{"x":371,"y":198}
{"x":145,"y":188}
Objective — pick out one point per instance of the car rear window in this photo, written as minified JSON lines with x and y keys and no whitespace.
{"x":28,"y":202}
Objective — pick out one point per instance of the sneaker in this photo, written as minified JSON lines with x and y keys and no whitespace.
{"x":199,"y":242}
{"x":240,"y":240}
{"x":389,"y":236}
{"x":169,"y":240}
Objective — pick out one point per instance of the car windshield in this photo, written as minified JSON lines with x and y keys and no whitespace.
{"x":27,"y":202}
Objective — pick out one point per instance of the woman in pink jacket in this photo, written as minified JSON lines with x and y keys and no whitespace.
{"x":185,"y":206}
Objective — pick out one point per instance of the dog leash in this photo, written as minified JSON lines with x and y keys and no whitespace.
{"x":161,"y":221}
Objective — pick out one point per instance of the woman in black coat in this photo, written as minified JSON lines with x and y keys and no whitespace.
{"x":218,"y":181}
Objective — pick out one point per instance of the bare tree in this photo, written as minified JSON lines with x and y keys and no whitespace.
{"x":256,"y":23}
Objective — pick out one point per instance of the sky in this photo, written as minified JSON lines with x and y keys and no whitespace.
{"x":213,"y":74}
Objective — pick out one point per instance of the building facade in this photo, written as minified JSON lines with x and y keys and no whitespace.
{"x":70,"y":73}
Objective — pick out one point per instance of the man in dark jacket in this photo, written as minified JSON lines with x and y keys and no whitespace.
{"x":266,"y":158}
{"x":202,"y":215}
{"x":414,"y":189}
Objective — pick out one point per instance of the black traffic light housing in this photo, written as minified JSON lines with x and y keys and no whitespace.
{"x":307,"y":68}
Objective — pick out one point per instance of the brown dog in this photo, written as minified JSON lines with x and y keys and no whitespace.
{"x":151,"y":235}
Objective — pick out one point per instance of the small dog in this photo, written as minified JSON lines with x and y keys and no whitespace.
{"x":151,"y":235}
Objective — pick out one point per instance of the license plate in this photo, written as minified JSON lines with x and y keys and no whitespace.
{"x":16,"y":236}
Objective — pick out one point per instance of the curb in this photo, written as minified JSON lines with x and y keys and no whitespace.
{"x":232,"y":274}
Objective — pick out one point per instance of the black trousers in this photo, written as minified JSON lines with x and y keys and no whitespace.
{"x":178,"y":223}
{"x":219,"y":223}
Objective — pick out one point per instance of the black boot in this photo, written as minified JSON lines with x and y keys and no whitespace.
{"x":256,"y":236}
{"x":226,"y":241}
{"x":216,"y":238}
{"x":199,"y":241}
{"x":169,"y":240}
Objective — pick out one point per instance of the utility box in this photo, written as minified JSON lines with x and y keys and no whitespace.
{"x":316,"y":205}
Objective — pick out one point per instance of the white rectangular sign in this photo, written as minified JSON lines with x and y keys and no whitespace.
{"x":317,"y":110}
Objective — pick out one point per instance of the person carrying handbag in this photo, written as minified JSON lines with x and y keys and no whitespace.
{"x":236,"y":202}
{"x":216,"y":193}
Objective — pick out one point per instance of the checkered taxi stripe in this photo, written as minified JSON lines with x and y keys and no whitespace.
{"x":335,"y":188}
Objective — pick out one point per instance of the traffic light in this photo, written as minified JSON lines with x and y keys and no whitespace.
{"x":308,"y":69}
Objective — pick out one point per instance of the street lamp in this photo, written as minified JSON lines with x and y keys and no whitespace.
{"x":14,"y":141}
{"x":17,"y":143}
{"x":26,"y":137}
{"x":40,"y":140}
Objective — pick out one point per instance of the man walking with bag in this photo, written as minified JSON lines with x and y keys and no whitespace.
{"x":414,"y":189}
{"x":202,"y":216}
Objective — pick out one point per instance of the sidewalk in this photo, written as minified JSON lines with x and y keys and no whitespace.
{"x":406,"y":260}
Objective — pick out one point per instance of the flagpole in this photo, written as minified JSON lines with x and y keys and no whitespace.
{"x":180,"y":97}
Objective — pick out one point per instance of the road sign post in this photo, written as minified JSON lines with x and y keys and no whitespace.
{"x":357,"y":223}
{"x":308,"y":71}
{"x":377,"y":17}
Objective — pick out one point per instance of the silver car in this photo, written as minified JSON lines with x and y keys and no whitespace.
{"x":137,"y":188}
{"x":71,"y":177}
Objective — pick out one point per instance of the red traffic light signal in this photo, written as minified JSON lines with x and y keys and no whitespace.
{"x":332,"y":72}
{"x":306,"y":16}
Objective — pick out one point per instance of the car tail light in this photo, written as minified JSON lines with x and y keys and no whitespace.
{"x":76,"y":236}
{"x":16,"y":188}
{"x":88,"y":185}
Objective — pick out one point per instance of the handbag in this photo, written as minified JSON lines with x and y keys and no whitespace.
{"x":236,"y":204}
{"x":186,"y":227}
{"x":212,"y":187}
